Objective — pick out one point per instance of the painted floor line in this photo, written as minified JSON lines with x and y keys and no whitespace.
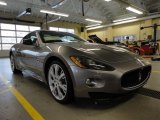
{"x":26,"y":105}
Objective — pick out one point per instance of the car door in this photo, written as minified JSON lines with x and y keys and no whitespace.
{"x":28,"y":52}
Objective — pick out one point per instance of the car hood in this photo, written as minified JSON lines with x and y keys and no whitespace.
{"x":102,"y":52}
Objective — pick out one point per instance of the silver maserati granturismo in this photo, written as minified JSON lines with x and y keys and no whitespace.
{"x":73,"y":67}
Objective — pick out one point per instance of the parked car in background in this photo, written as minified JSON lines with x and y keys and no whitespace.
{"x":147,"y":46}
{"x":72,"y":67}
{"x":130,"y":47}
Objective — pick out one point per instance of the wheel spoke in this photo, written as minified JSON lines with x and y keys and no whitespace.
{"x":60,"y":95}
{"x":63,"y":87}
{"x":52,"y":73}
{"x":56,"y":68}
{"x":61,"y":75}
{"x":54,"y":90}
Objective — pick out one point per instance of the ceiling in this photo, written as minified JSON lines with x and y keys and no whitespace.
{"x":94,"y":9}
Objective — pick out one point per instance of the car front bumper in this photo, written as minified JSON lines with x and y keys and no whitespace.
{"x":107,"y":82}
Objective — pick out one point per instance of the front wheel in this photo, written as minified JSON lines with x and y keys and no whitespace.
{"x":60,"y":83}
{"x":13,"y":66}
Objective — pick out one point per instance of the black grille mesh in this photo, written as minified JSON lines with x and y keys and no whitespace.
{"x":135,"y":77}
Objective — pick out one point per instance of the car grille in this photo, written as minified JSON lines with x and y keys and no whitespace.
{"x":135,"y":77}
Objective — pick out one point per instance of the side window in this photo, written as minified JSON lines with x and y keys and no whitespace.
{"x":30,"y":39}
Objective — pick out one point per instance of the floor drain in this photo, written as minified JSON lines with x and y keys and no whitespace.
{"x":150,"y":93}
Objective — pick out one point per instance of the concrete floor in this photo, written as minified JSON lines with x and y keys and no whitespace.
{"x":139,"y":107}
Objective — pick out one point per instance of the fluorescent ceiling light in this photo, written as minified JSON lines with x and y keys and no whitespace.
{"x":134,"y":10}
{"x":92,"y":20}
{"x":54,"y":13}
{"x":92,"y":25}
{"x":108,"y":0}
{"x":3,"y":3}
{"x":124,"y":19}
{"x":122,"y":22}
{"x":101,"y":26}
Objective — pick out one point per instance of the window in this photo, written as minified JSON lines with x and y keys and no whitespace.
{"x":7,"y":26}
{"x":11,"y":34}
{"x":70,"y":31}
{"x":62,"y":29}
{"x":33,"y":28}
{"x":19,"y":40}
{"x":123,"y":38}
{"x":30,"y":39}
{"x":8,"y":40}
{"x":22,"y":28}
{"x":51,"y":36}
{"x":21,"y":34}
{"x":54,"y":28}
{"x":8,"y":33}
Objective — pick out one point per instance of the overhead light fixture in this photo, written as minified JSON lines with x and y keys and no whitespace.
{"x":54,"y":13}
{"x":3,"y":3}
{"x":134,"y":10}
{"x":101,"y":26}
{"x":26,"y":12}
{"x":92,"y":25}
{"x":124,"y":19}
{"x":122,"y":22}
{"x":92,"y":20}
{"x":107,"y":0}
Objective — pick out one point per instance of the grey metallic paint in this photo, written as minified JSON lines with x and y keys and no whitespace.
{"x":34,"y":58}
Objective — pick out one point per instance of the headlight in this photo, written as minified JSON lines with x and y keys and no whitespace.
{"x":87,"y":63}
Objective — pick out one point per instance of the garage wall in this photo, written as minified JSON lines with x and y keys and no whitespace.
{"x":126,"y":29}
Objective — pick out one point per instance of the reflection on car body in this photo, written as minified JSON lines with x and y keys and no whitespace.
{"x":73,"y":67}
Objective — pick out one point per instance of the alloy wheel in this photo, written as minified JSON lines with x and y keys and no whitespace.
{"x":12,"y":63}
{"x":57,"y":81}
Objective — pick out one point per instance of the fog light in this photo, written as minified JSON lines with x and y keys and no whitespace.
{"x":91,"y":82}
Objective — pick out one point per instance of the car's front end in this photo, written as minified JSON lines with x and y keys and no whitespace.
{"x":99,"y":79}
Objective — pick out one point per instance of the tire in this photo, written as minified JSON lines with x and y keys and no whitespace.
{"x":60,"y":83}
{"x":137,"y":52}
{"x":13,"y":67}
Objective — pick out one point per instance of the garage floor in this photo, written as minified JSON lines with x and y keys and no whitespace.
{"x":24,"y":98}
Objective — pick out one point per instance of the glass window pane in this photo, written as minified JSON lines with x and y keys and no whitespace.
{"x":7,"y":26}
{"x":70,"y":30}
{"x":22,"y":27}
{"x":6,"y":46}
{"x":19,"y":40}
{"x":8,"y":33}
{"x":63,"y":29}
{"x":33,"y":28}
{"x":53,"y":28}
{"x":8,"y":40}
{"x":21,"y":34}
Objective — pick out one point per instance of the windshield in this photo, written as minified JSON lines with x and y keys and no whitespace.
{"x":51,"y":36}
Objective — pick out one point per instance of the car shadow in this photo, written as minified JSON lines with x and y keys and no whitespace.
{"x":78,"y":103}
{"x":86,"y":103}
